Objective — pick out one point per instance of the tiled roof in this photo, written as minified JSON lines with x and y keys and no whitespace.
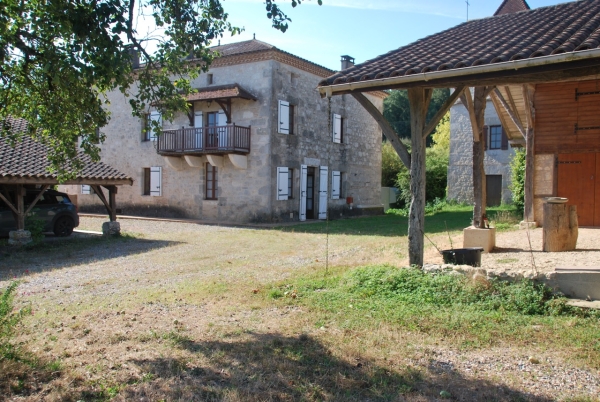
{"x":28,"y":159}
{"x":512,"y":6}
{"x":248,"y":46}
{"x":221,"y":92}
{"x":568,"y":27}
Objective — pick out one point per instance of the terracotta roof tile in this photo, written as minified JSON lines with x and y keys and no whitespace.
{"x":248,"y":46}
{"x":221,"y":92}
{"x":563,"y":28}
{"x":28,"y":159}
{"x":512,"y":6}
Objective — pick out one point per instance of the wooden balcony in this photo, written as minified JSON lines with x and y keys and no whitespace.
{"x":218,"y":140}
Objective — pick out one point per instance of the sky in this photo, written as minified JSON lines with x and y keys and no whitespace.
{"x":362,"y":29}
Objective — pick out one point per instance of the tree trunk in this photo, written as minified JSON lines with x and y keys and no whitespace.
{"x":560,"y":227}
{"x":529,"y":172}
{"x":419,"y":99}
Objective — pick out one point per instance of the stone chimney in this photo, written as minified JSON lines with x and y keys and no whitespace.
{"x":347,"y":62}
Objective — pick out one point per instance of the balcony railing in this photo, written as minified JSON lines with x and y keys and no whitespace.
{"x":204,"y":140}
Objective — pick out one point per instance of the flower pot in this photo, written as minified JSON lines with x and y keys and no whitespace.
{"x":463,"y":256}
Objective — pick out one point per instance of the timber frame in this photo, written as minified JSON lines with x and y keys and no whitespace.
{"x":508,"y":75}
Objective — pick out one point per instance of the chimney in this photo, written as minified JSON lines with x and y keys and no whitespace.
{"x":347,"y":62}
{"x":134,"y":56}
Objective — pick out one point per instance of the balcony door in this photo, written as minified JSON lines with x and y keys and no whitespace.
{"x":198,"y":124}
{"x":216,"y":130}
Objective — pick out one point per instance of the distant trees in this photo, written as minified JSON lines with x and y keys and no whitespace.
{"x":397,"y":111}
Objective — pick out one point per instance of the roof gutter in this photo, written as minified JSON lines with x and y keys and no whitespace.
{"x":329,"y":90}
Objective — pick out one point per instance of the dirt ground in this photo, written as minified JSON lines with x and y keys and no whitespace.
{"x":179,"y":312}
{"x":514,"y":254}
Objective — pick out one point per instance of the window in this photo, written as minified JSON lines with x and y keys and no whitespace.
{"x":283,"y":183}
{"x":149,"y":133}
{"x":286,"y":118}
{"x":211,"y":182}
{"x":336,"y":185}
{"x":85,"y":189}
{"x":494,"y":137}
{"x":152,"y":181}
{"x":338,"y":129}
{"x":209,"y":79}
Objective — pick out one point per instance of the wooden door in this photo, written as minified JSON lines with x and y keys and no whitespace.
{"x":493,"y":189}
{"x":597,"y":204}
{"x":310,"y":193}
{"x":576,"y":181}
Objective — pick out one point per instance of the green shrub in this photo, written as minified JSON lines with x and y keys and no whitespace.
{"x":35,"y":226}
{"x":9,"y":319}
{"x":391,"y":165}
{"x":517,"y":167}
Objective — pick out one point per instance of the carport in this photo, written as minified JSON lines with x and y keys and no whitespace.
{"x":540,"y":68}
{"x":25,"y":164}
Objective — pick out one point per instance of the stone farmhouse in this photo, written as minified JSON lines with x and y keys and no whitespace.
{"x":259,"y":145}
{"x":498,"y":154}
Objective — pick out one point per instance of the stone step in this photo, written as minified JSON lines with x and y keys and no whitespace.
{"x":584,"y":304}
{"x":579,"y":282}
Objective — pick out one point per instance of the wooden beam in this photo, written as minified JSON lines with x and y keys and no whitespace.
{"x":37,"y":198}
{"x":20,"y":207}
{"x":528,"y":94}
{"x":112,"y":202}
{"x":443,"y":110}
{"x":100,"y":193}
{"x":385,"y":126}
{"x":419,"y":100}
{"x":226,"y":106}
{"x":513,"y":105}
{"x":467,"y":100}
{"x":512,"y":114}
{"x":503,"y":120}
{"x":10,"y":204}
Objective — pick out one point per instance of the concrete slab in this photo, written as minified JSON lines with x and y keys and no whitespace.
{"x":579,"y":284}
{"x":584,"y":304}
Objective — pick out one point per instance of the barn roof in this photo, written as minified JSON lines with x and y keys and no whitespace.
{"x":26,"y":161}
{"x":546,"y":36}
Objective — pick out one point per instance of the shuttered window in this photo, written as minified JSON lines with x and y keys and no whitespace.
{"x":85,"y":189}
{"x":152,"y":181}
{"x":212,"y":182}
{"x":148,"y":126}
{"x":338,"y":129}
{"x":336,"y":185}
{"x":495,"y":133}
{"x":283,"y":185}
{"x":284,"y":117}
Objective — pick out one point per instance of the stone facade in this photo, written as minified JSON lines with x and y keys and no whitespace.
{"x":250,"y":194}
{"x":460,"y":168}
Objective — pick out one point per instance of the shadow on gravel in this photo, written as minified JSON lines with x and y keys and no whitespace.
{"x":56,"y":252}
{"x":272,"y":367}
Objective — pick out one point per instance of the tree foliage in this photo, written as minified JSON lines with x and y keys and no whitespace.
{"x":517,"y":186}
{"x":396,"y":109}
{"x":436,"y":167}
{"x":58,"y":58}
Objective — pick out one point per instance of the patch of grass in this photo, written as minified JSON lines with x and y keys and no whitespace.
{"x":450,"y":306}
{"x":507,"y":260}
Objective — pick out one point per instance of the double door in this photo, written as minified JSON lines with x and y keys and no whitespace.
{"x":579,"y":181}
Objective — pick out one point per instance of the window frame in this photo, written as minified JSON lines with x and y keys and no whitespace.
{"x":336,"y":193}
{"x":498,"y":141}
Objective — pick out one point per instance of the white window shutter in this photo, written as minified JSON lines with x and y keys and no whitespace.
{"x":198,"y":119}
{"x":282,"y":183}
{"x":222,"y":123}
{"x":85,"y":189}
{"x":335,"y":184}
{"x":284,"y":117}
{"x":154,"y":116}
{"x":337,"y":128}
{"x":303,"y":185}
{"x":155,"y":181}
{"x":198,"y":123}
{"x":323,"y":185}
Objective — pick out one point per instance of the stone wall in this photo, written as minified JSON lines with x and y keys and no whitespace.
{"x":460,"y":168}
{"x":249,"y":195}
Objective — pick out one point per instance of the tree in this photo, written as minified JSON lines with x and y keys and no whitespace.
{"x":58,"y":58}
{"x":396,"y":109}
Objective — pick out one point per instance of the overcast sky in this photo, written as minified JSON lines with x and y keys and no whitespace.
{"x":362,"y":29}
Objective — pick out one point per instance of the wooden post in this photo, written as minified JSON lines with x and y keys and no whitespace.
{"x":419,"y":99}
{"x":20,"y":193}
{"x":476,"y":109}
{"x":560,"y":227}
{"x":112,"y":192}
{"x":529,"y":176}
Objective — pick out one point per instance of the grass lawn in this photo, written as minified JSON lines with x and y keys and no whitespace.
{"x":187,"y":312}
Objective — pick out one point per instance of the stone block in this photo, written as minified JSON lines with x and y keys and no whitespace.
{"x":475,"y":237}
{"x":111,"y":229}
{"x":19,"y":237}
{"x":524,"y":225}
{"x":579,"y":284}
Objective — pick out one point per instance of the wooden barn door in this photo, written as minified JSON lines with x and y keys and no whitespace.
{"x":577,"y":182}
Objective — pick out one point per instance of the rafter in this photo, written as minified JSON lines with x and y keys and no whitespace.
{"x":443,"y":110}
{"x":511,"y":113}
